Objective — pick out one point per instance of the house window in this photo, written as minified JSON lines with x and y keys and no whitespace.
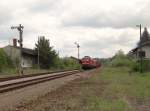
{"x":142,"y":54}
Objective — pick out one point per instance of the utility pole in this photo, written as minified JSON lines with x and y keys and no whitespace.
{"x":38,"y":54}
{"x":78,"y":46}
{"x":140,"y":53}
{"x":20,"y":29}
{"x":38,"y":48}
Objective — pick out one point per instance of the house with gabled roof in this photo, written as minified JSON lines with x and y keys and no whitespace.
{"x":145,"y":46}
{"x":29,"y":56}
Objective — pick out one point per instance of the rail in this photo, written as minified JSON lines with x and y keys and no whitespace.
{"x":17,"y":83}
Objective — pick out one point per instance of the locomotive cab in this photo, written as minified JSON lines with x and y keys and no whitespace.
{"x":89,"y":63}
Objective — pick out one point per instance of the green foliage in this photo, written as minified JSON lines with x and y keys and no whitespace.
{"x":5,"y":61}
{"x":107,"y":105}
{"x":105,"y":61}
{"x":145,"y":65}
{"x":67,"y":63}
{"x":121,"y":83}
{"x":135,"y":67}
{"x":120,"y":59}
{"x":50,"y":59}
{"x":145,"y":37}
{"x":47,"y":54}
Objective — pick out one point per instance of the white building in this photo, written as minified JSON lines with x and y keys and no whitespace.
{"x":29,"y":56}
{"x":145,"y":47}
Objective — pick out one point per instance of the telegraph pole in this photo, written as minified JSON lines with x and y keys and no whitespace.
{"x":38,"y":54}
{"x":20,"y":29}
{"x":140,"y":53}
{"x":78,"y":46}
{"x":38,"y":48}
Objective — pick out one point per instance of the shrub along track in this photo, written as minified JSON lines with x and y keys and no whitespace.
{"x":11,"y":83}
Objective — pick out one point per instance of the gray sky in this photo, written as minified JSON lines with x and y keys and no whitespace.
{"x":100,"y":26}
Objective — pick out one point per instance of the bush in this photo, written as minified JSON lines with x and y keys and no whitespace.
{"x":5,"y":61}
{"x":67,"y":63}
{"x":145,"y":65}
{"x":121,"y":60}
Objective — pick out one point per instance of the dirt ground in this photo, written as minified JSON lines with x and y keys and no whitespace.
{"x":94,"y":91}
{"x":65,"y":98}
{"x":98,"y":90}
{"x":11,"y":100}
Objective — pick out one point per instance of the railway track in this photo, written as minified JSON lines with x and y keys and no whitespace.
{"x":30,"y":75}
{"x":12,"y":83}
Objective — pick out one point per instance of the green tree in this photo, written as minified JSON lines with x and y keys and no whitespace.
{"x":145,"y":37}
{"x":68,"y":63}
{"x":121,"y":59}
{"x":5,"y":61}
{"x":47,"y":54}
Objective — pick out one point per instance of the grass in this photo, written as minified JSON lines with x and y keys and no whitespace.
{"x":107,"y":105}
{"x":13,"y":72}
{"x":5,"y":72}
{"x":122,"y":83}
{"x":108,"y":89}
{"x":122,"y":91}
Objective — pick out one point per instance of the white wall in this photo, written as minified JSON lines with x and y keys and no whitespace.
{"x":147,"y":51}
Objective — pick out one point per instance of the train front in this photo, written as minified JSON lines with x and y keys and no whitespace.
{"x":87,"y":63}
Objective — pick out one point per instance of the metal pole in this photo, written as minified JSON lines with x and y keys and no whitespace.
{"x":20,"y":29}
{"x":78,"y":46}
{"x":38,"y":55}
{"x":140,"y":48}
{"x":141,"y":61}
{"x":78,"y":51}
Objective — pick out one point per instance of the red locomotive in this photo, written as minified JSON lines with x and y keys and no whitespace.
{"x":89,"y":63}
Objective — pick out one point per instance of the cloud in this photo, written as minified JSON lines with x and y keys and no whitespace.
{"x":44,"y":6}
{"x":6,"y":16}
{"x":101,"y":27}
{"x":116,"y":17}
{"x":96,"y":42}
{"x":106,"y":46}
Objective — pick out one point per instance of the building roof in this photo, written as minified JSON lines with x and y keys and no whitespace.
{"x":145,"y":41}
{"x":144,"y":44}
{"x":26,"y":50}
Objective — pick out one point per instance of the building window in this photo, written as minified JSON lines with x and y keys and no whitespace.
{"x":142,"y":54}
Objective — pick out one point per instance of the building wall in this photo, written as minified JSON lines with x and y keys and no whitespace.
{"x":27,"y":61}
{"x":135,"y":54}
{"x":14,"y":54}
{"x":147,"y":51}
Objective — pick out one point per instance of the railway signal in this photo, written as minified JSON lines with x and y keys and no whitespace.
{"x":78,"y":46}
{"x":20,"y":29}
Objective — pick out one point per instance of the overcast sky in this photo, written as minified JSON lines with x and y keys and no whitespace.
{"x":100,"y":26}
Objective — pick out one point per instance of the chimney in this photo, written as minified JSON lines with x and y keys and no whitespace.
{"x":15,"y":42}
